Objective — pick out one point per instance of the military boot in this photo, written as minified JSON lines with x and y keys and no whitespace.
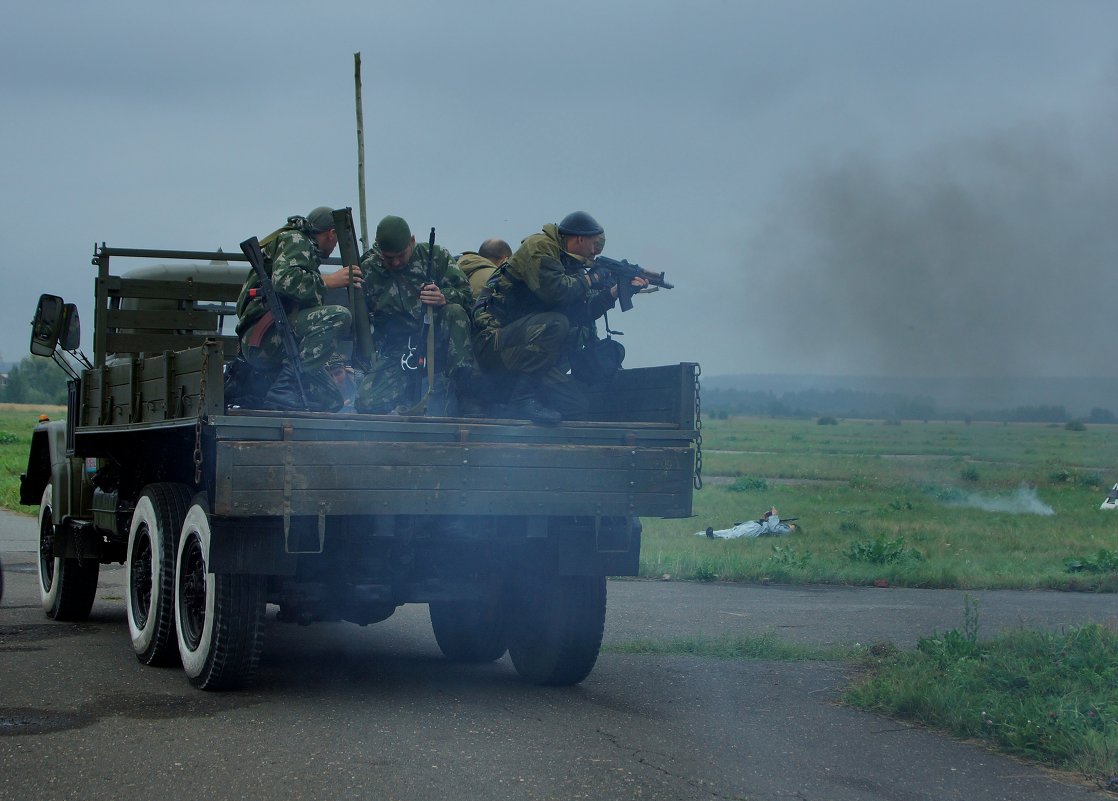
{"x":323,"y":393}
{"x":524,"y":404}
{"x":284,"y":394}
{"x":467,"y":389}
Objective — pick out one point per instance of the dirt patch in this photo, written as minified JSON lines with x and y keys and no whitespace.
{"x":918,"y":457}
{"x":32,"y":407}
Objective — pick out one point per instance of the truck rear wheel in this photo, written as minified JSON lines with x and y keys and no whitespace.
{"x":219,"y":618}
{"x":558,"y":628}
{"x":470,"y":632}
{"x":67,"y":587}
{"x":152,"y":540}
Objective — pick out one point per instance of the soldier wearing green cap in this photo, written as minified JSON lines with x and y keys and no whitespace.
{"x":293,"y":255}
{"x":397,"y":291}
{"x":536,"y":309}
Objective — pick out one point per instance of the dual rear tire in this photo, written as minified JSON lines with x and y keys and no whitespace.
{"x":470,"y":632}
{"x":551,"y":626}
{"x":557,"y":629}
{"x":219,"y":618}
{"x":152,"y":542}
{"x":179,"y":611}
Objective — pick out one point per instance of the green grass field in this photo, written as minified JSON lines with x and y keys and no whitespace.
{"x":16,"y":423}
{"x":919,"y":505}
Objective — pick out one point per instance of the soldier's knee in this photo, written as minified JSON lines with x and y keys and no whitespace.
{"x":337,"y":317}
{"x":554,"y":328}
{"x":454,"y":314}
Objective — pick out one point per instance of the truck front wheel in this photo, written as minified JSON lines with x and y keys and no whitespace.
{"x":67,"y":587}
{"x":219,"y":618}
{"x":152,"y":540}
{"x":557,"y":630}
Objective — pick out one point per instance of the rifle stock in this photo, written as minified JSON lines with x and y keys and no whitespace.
{"x":362,"y":335}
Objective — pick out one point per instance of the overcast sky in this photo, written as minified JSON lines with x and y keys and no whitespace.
{"x":867,"y":187}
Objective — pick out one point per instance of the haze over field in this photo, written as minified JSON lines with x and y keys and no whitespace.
{"x":866,"y":188}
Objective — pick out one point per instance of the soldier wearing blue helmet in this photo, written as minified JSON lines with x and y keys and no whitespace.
{"x":537,"y":308}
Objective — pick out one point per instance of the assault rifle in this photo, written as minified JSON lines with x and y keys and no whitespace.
{"x":623,"y":272}
{"x":426,"y":334}
{"x":251,"y":248}
{"x":362,"y":336}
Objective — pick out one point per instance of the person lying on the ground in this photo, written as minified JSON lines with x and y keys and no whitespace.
{"x":768,"y":525}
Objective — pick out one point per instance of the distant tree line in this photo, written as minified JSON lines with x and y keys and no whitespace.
{"x":34,"y":380}
{"x":855,"y":404}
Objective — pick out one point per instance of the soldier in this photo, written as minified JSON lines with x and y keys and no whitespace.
{"x":293,"y":256}
{"x":394,"y":271}
{"x":539,"y":307}
{"x":479,"y":266}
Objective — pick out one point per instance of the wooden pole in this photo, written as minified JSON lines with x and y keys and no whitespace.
{"x":360,"y":152}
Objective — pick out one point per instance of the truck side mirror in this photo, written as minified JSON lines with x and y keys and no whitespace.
{"x":47,"y":325}
{"x":71,"y":335}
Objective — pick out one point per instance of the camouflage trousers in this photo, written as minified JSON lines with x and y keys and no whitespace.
{"x":317,"y":332}
{"x":533,"y":343}
{"x":531,"y":353}
{"x":392,"y":383}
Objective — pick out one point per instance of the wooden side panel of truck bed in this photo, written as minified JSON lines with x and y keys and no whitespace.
{"x":364,"y":478}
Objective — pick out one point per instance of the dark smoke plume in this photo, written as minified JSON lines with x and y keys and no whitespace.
{"x":989,"y":256}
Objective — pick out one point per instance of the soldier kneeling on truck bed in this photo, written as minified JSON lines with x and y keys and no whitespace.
{"x":293,"y":255}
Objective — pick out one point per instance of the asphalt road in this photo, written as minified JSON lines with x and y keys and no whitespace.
{"x":342,"y":712}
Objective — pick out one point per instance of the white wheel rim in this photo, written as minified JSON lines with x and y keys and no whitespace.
{"x":144,"y":516}
{"x":196,"y":527}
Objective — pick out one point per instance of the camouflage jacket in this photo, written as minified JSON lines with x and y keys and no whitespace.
{"x":292,"y":259}
{"x":477,"y":268}
{"x":393,"y":295}
{"x":540,"y":277}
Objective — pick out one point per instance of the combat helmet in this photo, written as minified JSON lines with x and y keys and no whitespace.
{"x":579,"y":223}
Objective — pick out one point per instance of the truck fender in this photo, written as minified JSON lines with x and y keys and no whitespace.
{"x":47,"y":462}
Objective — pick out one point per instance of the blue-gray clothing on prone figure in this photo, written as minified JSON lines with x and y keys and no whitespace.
{"x":769,"y":525}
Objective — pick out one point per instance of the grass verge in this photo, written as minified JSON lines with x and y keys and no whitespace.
{"x":1048,"y":697}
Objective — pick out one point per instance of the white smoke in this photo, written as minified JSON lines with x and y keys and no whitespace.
{"x":1023,"y":502}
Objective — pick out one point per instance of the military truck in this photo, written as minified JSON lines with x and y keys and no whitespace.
{"x":224,"y":515}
